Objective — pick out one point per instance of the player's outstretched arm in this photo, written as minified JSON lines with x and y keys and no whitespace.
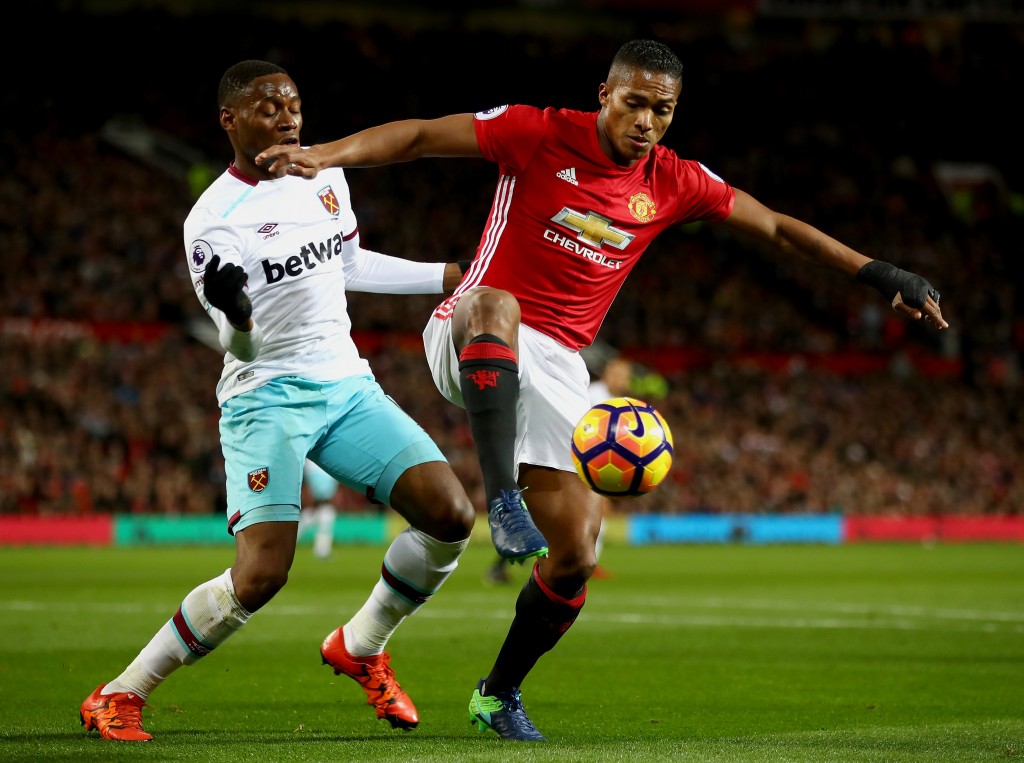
{"x":907,"y":292}
{"x":389,"y":143}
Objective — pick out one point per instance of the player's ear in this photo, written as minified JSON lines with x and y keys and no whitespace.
{"x":227,"y":118}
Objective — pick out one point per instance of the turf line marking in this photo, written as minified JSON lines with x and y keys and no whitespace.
{"x":840,"y":607}
{"x":999,"y":622}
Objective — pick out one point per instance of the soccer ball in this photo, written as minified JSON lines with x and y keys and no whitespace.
{"x":622,"y":447}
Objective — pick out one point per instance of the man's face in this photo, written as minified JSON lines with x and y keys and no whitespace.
{"x":636,"y":110}
{"x":270,"y":116}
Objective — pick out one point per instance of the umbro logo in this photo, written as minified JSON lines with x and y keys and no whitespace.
{"x":568,"y":175}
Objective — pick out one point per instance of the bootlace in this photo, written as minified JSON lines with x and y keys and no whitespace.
{"x":383,"y":676}
{"x":508,"y":515}
{"x":124,"y":713}
{"x":513,"y":701}
{"x":512,"y":704}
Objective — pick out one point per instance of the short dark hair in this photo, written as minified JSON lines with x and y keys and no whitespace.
{"x":650,"y":56}
{"x":237,"y":79}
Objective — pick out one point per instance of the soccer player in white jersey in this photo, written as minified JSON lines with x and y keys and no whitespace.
{"x":580,"y":196}
{"x":270,"y":260}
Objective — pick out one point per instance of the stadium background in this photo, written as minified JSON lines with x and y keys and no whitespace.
{"x":791,"y":392}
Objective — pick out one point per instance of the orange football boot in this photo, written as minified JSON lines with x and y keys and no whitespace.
{"x":116,"y":716}
{"x":376,"y":677}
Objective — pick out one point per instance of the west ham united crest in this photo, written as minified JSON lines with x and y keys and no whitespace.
{"x":329,"y":200}
{"x":259,"y":479}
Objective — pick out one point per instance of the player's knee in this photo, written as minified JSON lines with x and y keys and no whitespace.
{"x":567,"y":573}
{"x":433,"y":501}
{"x":493,"y":311}
{"x":454,"y":521}
{"x":256,"y":588}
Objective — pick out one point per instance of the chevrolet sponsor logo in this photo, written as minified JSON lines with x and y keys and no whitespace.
{"x":593,"y":229}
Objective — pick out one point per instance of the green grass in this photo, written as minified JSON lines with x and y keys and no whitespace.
{"x":730,"y":653}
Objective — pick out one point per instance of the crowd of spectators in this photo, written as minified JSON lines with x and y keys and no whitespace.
{"x":107,"y":397}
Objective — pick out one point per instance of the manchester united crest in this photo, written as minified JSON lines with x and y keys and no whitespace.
{"x":641,"y":207}
{"x":259,"y":479}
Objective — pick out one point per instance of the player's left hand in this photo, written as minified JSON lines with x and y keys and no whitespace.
{"x":907,"y":292}
{"x":290,"y":160}
{"x":224,"y":288}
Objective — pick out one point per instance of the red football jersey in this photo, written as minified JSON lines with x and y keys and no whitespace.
{"x":568,"y":224}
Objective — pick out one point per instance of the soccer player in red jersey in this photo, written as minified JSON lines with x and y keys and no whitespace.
{"x":580,"y":196}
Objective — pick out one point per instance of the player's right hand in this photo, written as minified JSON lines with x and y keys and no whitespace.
{"x":224,"y":288}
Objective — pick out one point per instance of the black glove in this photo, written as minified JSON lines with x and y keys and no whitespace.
{"x":897,"y":285}
{"x":224,"y":289}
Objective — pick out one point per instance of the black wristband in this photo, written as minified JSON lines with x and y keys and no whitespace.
{"x":881,"y":275}
{"x":897,"y":285}
{"x":464,"y":265}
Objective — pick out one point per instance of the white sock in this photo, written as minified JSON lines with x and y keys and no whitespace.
{"x":415,"y":566}
{"x":207,"y":617}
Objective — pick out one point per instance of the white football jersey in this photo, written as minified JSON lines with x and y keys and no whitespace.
{"x":298,"y":242}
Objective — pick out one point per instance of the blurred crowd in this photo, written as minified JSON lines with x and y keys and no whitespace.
{"x":870,"y":132}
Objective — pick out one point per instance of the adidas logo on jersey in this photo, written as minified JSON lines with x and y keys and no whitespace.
{"x":568,"y":175}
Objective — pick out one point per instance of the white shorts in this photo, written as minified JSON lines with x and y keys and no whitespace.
{"x":553,"y":396}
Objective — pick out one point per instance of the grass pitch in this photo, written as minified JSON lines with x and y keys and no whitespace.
{"x":696,"y":653}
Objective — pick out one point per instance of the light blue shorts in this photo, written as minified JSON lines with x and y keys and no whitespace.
{"x":356,"y":433}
